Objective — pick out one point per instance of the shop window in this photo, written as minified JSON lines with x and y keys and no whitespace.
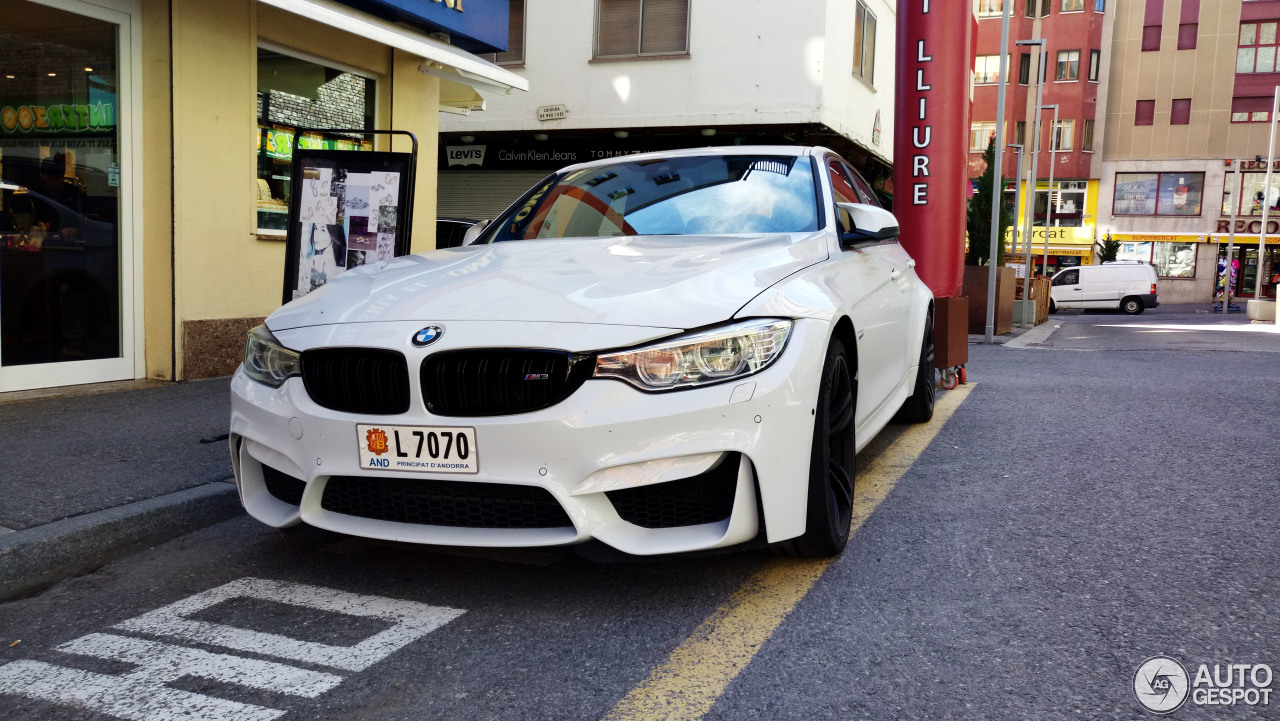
{"x":1251,"y":194}
{"x":986,"y":70}
{"x":1095,"y":59}
{"x":1171,"y":194}
{"x":1072,"y":6}
{"x":633,"y":28}
{"x":1068,"y":204}
{"x":295,"y":93}
{"x":990,"y":8}
{"x":514,"y":54}
{"x":1086,"y":137}
{"x":1256,"y":52}
{"x":864,"y":43}
{"x":1174,"y":260}
{"x":1068,"y":65}
{"x":1144,"y":112}
{"x":1180,"y":112}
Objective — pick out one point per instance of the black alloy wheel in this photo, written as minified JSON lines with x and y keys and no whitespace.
{"x":831,"y":461}
{"x":918,"y":408}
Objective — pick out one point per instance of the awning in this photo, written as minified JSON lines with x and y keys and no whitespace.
{"x":456,"y":65}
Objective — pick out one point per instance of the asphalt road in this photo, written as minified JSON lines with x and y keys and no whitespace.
{"x":1097,"y":500}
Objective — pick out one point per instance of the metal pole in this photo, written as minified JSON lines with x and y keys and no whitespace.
{"x":1017,"y":197}
{"x":1236,"y":190}
{"x":1027,"y":222}
{"x":997,"y":193}
{"x":1266,"y":195}
{"x":1048,"y":221}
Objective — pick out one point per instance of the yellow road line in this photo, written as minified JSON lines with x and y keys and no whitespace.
{"x":688,"y":683}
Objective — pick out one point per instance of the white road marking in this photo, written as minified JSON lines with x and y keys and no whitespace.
{"x":164,"y":663}
{"x":141,"y":694}
{"x":133,"y":697}
{"x":412,"y":621}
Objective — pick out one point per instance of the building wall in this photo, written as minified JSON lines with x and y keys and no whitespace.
{"x":772,"y":64}
{"x":157,"y":197}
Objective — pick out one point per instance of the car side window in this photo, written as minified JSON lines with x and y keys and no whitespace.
{"x":841,"y":185}
{"x":1071,"y":277}
{"x":867,"y":195}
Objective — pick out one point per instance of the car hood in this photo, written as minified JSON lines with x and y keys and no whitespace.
{"x":659,"y":281}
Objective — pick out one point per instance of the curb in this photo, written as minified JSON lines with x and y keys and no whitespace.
{"x":1038,"y":334}
{"x":34,"y":558}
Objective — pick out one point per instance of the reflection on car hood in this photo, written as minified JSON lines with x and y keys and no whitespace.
{"x":658,"y":281}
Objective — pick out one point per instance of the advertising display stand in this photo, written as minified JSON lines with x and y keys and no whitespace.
{"x":348,"y":208}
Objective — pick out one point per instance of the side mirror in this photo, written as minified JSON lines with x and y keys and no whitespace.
{"x":474,"y":232}
{"x":866,"y":223}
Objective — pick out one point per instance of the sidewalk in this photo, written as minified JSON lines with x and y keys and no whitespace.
{"x":86,"y":479}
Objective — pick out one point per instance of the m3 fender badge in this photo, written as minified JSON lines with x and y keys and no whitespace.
{"x":427,"y":336}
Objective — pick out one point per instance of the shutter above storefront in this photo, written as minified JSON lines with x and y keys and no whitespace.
{"x":482,"y":195}
{"x":445,"y":61}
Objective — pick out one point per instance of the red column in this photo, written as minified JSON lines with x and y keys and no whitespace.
{"x":931,"y":138}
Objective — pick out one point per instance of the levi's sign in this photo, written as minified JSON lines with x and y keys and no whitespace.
{"x":465,"y":154}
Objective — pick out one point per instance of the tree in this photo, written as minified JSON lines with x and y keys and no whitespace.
{"x":1110,"y":249}
{"x":979,"y":221}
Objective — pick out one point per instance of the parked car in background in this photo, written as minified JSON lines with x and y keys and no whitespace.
{"x":1122,"y":285}
{"x":666,"y":352}
{"x":450,"y":231}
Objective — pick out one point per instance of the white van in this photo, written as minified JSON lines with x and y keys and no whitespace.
{"x":1127,"y":285}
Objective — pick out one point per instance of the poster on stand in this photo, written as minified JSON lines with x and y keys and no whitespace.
{"x":349,"y":208}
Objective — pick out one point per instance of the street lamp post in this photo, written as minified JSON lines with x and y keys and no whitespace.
{"x":1048,"y":221}
{"x":1035,"y":146}
{"x":1266,"y":197}
{"x":997,"y":196}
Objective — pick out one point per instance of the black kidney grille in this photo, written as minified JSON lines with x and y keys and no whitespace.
{"x":704,"y":498}
{"x":495,"y":382}
{"x":464,"y":504}
{"x":283,"y":486}
{"x":357,"y":380}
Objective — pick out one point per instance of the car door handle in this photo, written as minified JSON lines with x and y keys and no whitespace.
{"x":895,"y":274}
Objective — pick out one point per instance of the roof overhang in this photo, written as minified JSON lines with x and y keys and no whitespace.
{"x":452,"y":65}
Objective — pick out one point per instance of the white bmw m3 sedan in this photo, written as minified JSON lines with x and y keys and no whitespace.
{"x":663,"y":353}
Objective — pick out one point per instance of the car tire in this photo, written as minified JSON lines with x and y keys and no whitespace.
{"x":1053,"y":307}
{"x":831,"y":461}
{"x":1132,"y":305}
{"x":919,"y":407}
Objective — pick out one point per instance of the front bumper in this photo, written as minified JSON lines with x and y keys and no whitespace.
{"x":607,"y":436}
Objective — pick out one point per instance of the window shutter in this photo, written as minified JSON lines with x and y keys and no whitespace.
{"x":666,"y":26}
{"x":619,"y":28}
{"x":515,"y":35}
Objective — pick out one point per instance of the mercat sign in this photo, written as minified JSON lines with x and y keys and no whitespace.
{"x":96,"y":117}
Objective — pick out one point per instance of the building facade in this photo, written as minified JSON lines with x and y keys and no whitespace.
{"x":1075,"y":57}
{"x":145,"y":153}
{"x":1187,"y":141}
{"x":613,"y":77}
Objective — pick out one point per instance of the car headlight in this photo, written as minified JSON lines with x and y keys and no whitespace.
{"x":705,"y":357}
{"x":268,"y":362}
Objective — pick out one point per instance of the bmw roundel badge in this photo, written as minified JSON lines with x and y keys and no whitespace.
{"x":427,"y":335}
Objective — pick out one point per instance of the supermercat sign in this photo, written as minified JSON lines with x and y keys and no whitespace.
{"x":478,"y":26}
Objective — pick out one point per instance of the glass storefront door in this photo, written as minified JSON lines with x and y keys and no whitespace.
{"x":1246,"y":282}
{"x":62,"y":310}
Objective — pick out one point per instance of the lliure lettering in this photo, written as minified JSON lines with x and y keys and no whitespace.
{"x":921,"y":135}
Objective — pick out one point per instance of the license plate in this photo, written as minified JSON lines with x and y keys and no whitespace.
{"x":425,"y":449}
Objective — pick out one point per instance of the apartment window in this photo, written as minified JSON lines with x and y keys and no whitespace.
{"x":1030,"y":9}
{"x":864,"y":44}
{"x":1257,"y":50}
{"x":1063,"y":135}
{"x":1020,"y":132}
{"x":1086,"y":137}
{"x":1176,"y":194}
{"x":986,"y":69}
{"x":1068,"y":65}
{"x":1251,"y":193}
{"x":990,"y":8}
{"x":1145,"y":113}
{"x":1072,"y":6}
{"x":515,"y":38}
{"x":1099,"y":6}
{"x":1024,"y":68}
{"x":1152,"y":20}
{"x":1044,"y":7}
{"x":1180,"y":112}
{"x":1251,"y":110}
{"x":1095,"y":59}
{"x":980,"y":135}
{"x":631,"y":28}
{"x":1188,"y":27}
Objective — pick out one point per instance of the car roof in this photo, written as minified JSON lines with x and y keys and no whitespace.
{"x":791,"y":150}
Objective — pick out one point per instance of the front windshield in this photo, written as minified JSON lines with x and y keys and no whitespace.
{"x":714,"y":194}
